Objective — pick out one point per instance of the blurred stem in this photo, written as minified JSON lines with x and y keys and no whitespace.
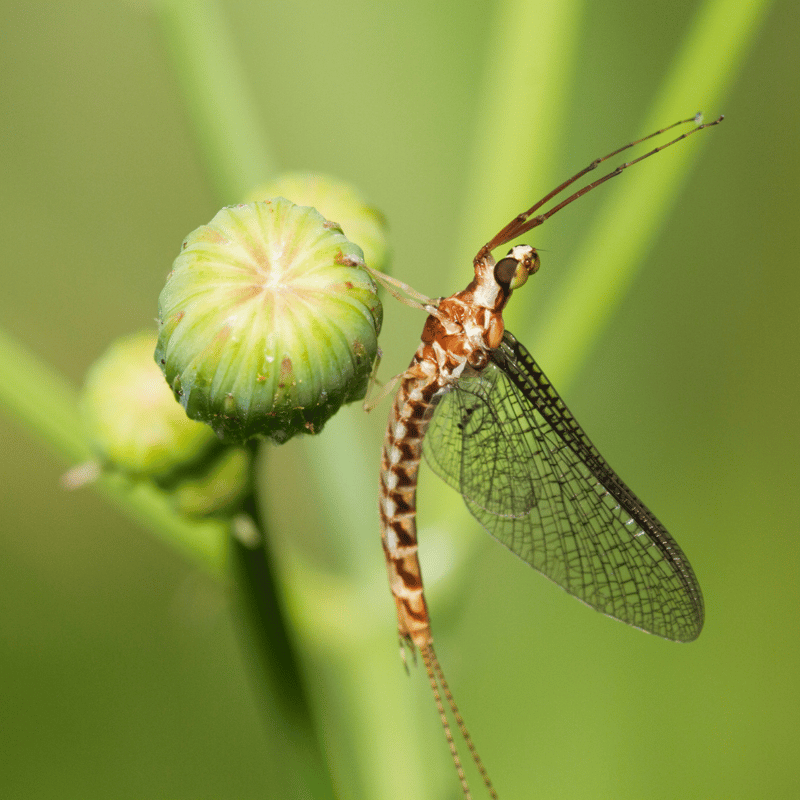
{"x":213,"y":81}
{"x":45,"y":403}
{"x":265,"y":637}
{"x":232,"y":141}
{"x":637,"y":206}
{"x":530,"y":93}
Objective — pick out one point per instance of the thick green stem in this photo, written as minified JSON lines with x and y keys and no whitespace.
{"x":237,"y":156}
{"x":276,"y":669}
{"x":229,"y":133}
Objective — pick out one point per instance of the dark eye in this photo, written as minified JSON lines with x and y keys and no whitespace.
{"x":505,"y":270}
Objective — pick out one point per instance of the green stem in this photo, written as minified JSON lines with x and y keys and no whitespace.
{"x":42,"y":401}
{"x":522,"y":113}
{"x":277,"y":673}
{"x":637,"y":206}
{"x":225,"y":121}
{"x":232,"y":142}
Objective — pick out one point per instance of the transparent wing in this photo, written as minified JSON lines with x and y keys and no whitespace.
{"x":529,"y":474}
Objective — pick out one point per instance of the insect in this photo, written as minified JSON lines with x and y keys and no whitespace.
{"x":492,"y":426}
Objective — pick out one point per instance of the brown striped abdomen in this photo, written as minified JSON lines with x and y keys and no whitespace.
{"x":402,"y":451}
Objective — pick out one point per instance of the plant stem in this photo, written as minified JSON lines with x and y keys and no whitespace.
{"x":45,"y":403}
{"x":229,"y":133}
{"x":276,"y":669}
{"x":237,"y":156}
{"x":637,"y":206}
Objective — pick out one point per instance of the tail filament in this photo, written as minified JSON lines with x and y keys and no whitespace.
{"x":437,"y":680}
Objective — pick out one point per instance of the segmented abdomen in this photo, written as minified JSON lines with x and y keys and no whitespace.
{"x":402,"y":450}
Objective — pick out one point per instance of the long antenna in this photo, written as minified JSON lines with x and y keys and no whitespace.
{"x":524,"y":222}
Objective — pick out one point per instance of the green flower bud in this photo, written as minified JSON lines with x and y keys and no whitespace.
{"x":337,"y":201}
{"x":132,"y":418}
{"x":268,"y":322}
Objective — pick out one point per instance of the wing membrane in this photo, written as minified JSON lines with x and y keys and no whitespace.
{"x":530,"y":475}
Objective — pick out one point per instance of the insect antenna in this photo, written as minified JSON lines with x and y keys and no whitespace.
{"x":524,"y":222}
{"x":437,"y":679}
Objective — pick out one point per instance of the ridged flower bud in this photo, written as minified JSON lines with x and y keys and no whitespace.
{"x":337,"y":201}
{"x":268,"y":322}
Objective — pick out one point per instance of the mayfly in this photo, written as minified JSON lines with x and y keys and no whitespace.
{"x":493,"y":427}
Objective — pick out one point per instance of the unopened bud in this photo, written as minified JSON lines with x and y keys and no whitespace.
{"x":132,"y":418}
{"x":268,"y":322}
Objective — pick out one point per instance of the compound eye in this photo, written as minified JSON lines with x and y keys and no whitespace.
{"x":505,"y":270}
{"x":513,"y":270}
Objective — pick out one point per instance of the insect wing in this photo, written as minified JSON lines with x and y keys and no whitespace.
{"x":530,"y":475}
{"x":475,"y":444}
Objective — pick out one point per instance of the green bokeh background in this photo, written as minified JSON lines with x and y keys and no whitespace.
{"x":121,"y":672}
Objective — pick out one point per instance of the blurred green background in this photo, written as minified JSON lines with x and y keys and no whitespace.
{"x":121,"y":673}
